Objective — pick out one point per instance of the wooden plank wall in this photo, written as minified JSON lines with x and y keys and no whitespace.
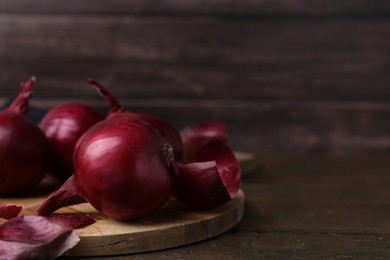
{"x":286,"y":76}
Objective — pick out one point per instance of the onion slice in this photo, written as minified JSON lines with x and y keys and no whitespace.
{"x":9,"y":210}
{"x":210,"y":178}
{"x":35,"y":237}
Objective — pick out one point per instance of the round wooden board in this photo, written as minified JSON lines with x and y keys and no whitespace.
{"x":173,"y":225}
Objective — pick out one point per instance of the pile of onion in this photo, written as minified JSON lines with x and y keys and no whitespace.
{"x":126,"y":166}
{"x":129,"y":164}
{"x":63,"y":125}
{"x":24,"y":148}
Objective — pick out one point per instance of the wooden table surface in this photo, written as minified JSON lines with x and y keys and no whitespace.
{"x":304,"y":207}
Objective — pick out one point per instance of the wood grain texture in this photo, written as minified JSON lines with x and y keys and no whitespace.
{"x":197,"y":58}
{"x":301,"y":83}
{"x":224,"y":7}
{"x":304,"y":207}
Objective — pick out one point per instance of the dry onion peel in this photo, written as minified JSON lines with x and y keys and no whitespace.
{"x":35,"y":237}
{"x":9,"y":210}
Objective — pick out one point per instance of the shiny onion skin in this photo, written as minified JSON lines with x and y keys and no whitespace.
{"x":122,"y":167}
{"x":63,"y":125}
{"x":163,"y":127}
{"x":24,"y":148}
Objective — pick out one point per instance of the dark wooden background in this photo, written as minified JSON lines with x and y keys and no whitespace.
{"x":286,"y":76}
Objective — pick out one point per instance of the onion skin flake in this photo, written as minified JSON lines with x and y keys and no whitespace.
{"x":35,"y":237}
{"x":9,"y":210}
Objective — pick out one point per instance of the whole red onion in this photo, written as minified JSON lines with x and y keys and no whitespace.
{"x":24,"y":148}
{"x":170,"y":133}
{"x":63,"y":125}
{"x":122,"y":167}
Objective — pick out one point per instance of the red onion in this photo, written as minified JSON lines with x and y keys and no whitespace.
{"x":74,"y":220}
{"x":170,"y":133}
{"x":122,"y":167}
{"x":35,"y":237}
{"x":210,"y":178}
{"x":24,"y":148}
{"x":196,"y":136}
{"x":205,"y":129}
{"x":63,"y":125}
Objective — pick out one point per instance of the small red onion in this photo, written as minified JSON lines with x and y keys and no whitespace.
{"x":35,"y":237}
{"x":122,"y":167}
{"x":63,"y":125}
{"x":24,"y":148}
{"x":170,"y":133}
{"x":210,"y":178}
{"x":196,"y":136}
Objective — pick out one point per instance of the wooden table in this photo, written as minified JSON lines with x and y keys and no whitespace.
{"x":304,"y":207}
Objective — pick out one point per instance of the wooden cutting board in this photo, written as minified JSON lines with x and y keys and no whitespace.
{"x":173,"y":225}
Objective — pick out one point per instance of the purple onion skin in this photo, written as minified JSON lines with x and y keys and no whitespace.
{"x":9,"y":210}
{"x":63,"y":125}
{"x":24,"y":148}
{"x":35,"y":237}
{"x":122,"y":167}
{"x":170,"y":134}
